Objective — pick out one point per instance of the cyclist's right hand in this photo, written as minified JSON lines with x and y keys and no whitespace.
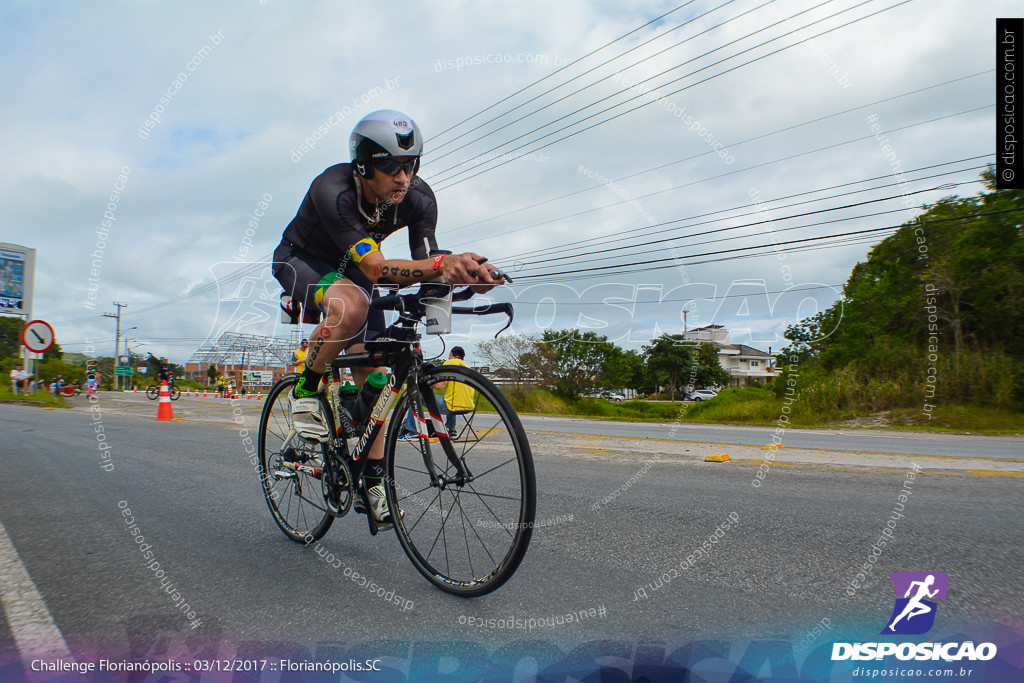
{"x":469,"y":269}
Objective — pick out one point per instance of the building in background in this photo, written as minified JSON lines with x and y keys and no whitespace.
{"x":245,"y":360}
{"x":746,"y":365}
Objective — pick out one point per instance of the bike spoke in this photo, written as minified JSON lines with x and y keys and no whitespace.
{"x":470,"y":445}
{"x":466,"y":517}
{"x":453,"y":540}
{"x":494,"y":468}
{"x":493,"y":514}
{"x":427,"y":509}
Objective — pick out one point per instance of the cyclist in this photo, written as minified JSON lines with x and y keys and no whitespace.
{"x":165,"y":372}
{"x":329,"y":259}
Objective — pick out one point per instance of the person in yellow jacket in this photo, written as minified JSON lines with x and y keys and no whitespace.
{"x":299,"y":356}
{"x":458,"y":396}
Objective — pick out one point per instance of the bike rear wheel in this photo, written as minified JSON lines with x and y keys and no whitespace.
{"x":288,"y":469}
{"x":152,"y":392}
{"x":467,"y":539}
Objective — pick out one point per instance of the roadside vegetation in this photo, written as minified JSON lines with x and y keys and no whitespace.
{"x":43,"y":399}
{"x":928,"y":330}
{"x":760,"y":406}
{"x":927,"y":334}
{"x":537,"y":401}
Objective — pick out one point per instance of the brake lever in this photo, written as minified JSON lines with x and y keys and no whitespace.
{"x":495,"y":273}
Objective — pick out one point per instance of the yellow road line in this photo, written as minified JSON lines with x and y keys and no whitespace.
{"x":960,"y":473}
{"x":832,"y":466}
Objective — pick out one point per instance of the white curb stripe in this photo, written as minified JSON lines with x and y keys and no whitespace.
{"x":35,"y":634}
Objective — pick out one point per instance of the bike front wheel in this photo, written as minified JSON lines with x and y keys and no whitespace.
{"x":175,"y":393}
{"x":291,"y":469}
{"x":466,"y":537}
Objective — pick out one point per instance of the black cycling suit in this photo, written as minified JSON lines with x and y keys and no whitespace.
{"x":165,"y":374}
{"x":333,"y":216}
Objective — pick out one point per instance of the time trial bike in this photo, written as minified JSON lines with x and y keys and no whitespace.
{"x":462,"y":503}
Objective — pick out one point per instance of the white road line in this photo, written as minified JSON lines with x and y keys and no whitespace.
{"x":35,"y":634}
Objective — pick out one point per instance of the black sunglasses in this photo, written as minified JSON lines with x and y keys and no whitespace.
{"x":391,"y":166}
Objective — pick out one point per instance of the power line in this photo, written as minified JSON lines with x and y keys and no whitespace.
{"x":678,"y":260}
{"x":584,"y":57}
{"x":755,"y":223}
{"x":864,"y":239}
{"x":601,"y":79}
{"x":796,"y":288}
{"x":733,"y":145}
{"x":633,"y":233}
{"x":624,"y":90}
{"x":675,"y":92}
{"x":749,"y":168}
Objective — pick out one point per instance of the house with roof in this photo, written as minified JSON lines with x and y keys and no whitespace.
{"x":746,"y":365}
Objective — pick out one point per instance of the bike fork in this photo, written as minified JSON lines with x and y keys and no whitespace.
{"x":462,"y":473}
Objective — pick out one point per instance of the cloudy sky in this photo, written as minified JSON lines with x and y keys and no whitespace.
{"x":590,"y":148}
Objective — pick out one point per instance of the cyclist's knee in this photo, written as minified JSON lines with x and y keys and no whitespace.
{"x":344,"y":302}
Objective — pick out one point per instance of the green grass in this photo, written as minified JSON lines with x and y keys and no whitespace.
{"x":42,"y":399}
{"x":975,"y":419}
{"x":542,"y":402}
{"x":756,"y":406}
{"x":747,"y":406}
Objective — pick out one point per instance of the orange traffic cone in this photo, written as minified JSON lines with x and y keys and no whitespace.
{"x":204,"y":393}
{"x":164,"y":412}
{"x":136,"y":389}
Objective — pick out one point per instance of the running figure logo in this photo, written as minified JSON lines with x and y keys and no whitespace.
{"x":914,"y":613}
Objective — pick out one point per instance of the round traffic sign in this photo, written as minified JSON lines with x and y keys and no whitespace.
{"x":37,"y":336}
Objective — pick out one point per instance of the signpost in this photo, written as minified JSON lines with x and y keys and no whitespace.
{"x":37,"y":336}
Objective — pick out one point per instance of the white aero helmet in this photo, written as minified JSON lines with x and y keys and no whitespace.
{"x":380,"y":137}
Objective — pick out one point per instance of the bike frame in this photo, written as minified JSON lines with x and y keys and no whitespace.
{"x":398,"y":349}
{"x":405,"y":359}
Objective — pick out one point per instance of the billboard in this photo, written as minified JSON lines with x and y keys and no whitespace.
{"x":258,"y":378}
{"x":12,"y":281}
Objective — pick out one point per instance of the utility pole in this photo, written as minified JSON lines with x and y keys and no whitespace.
{"x":117,"y":340}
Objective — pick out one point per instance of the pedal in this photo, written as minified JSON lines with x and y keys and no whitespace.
{"x":285,"y":474}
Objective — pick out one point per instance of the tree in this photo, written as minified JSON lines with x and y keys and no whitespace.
{"x":944,"y":295}
{"x":623,"y":368}
{"x":10,"y":336}
{"x":709,"y":370}
{"x":154,"y":364}
{"x":211,"y":373}
{"x":512,"y":352}
{"x":573,"y":362}
{"x":670,"y":360}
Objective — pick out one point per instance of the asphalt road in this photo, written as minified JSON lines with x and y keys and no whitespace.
{"x":626,"y":503}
